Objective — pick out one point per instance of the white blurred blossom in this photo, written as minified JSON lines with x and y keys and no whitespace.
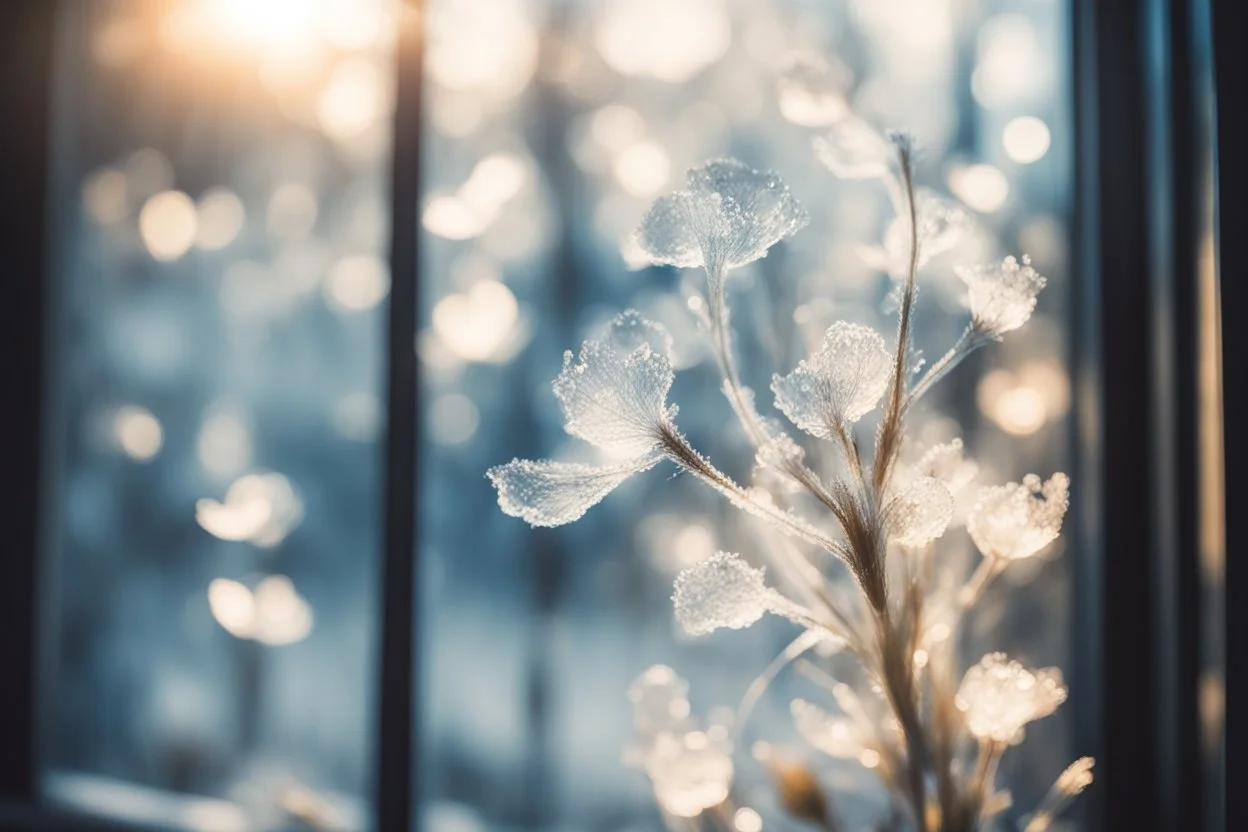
{"x":999,"y":696}
{"x":811,"y":91}
{"x":942,"y":225}
{"x":853,"y":149}
{"x":727,"y":215}
{"x":1001,"y":295}
{"x":948,"y":463}
{"x":921,"y":512}
{"x":838,"y":384}
{"x":839,"y":737}
{"x":1017,"y":520}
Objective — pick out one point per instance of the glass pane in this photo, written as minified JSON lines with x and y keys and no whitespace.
{"x":219,"y":237}
{"x":549,"y":129}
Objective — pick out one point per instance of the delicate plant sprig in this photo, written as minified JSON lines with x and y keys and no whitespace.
{"x":934,"y":742}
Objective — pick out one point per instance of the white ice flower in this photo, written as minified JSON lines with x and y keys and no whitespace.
{"x":838,"y":737}
{"x":999,"y":696}
{"x":942,"y":226}
{"x":1017,"y":520}
{"x":614,"y":394}
{"x":920,"y":513}
{"x":949,"y":464}
{"x":838,"y":384}
{"x":853,"y":149}
{"x":1002,"y":295}
{"x":549,"y":493}
{"x":721,"y":591}
{"x":727,"y":215}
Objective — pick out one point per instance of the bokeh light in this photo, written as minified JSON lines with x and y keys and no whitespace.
{"x":1026,"y":139}
{"x":168,"y":224}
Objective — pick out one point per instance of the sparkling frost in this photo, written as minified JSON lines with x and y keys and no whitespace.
{"x":949,"y":464}
{"x":1002,"y":295}
{"x":999,"y":696}
{"x":1017,"y":520}
{"x":838,"y":384}
{"x":691,"y":773}
{"x":921,"y":512}
{"x":548,"y":493}
{"x":614,"y":395}
{"x":727,"y":216}
{"x":853,"y":149}
{"x":721,"y":591}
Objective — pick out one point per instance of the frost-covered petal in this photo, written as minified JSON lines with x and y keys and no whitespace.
{"x":614,"y":394}
{"x":835,"y":736}
{"x":728,"y":215}
{"x":949,"y":464}
{"x":999,"y":696}
{"x":942,"y":226}
{"x":1017,"y":520}
{"x":811,"y":92}
{"x":839,"y":383}
{"x":1001,"y":295}
{"x":548,"y":493}
{"x":853,"y":149}
{"x":666,"y":235}
{"x":721,"y":591}
{"x":920,"y":513}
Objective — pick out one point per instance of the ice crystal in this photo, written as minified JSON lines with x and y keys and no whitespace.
{"x":999,"y":696}
{"x":690,"y":772}
{"x":838,"y":384}
{"x":921,"y":512}
{"x":811,"y":92}
{"x":660,"y":701}
{"x":942,"y":225}
{"x":1002,"y":295}
{"x":614,"y":394}
{"x":721,"y":591}
{"x":1017,"y":520}
{"x":727,"y":215}
{"x":853,"y":149}
{"x":548,"y":493}
{"x":948,"y":464}
{"x":835,"y":736}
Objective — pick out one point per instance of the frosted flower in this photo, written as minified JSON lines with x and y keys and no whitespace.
{"x":1002,"y":295}
{"x":614,"y":394}
{"x":835,"y":736}
{"x":548,"y":493}
{"x":1017,"y":520}
{"x":942,"y":226}
{"x":721,"y":591}
{"x":999,"y":696}
{"x":690,"y":772}
{"x":727,"y":216}
{"x":838,"y":384}
{"x":660,"y":701}
{"x":920,"y":513}
{"x":853,"y":149}
{"x":948,"y":464}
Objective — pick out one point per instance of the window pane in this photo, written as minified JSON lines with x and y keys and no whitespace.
{"x":549,"y":129}
{"x":219,"y":239}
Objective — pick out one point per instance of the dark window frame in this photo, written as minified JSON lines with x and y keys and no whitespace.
{"x":1144,"y":139}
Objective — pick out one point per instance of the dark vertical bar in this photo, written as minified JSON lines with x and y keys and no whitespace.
{"x":25,"y":87}
{"x":396,"y":737}
{"x":1230,"y":51}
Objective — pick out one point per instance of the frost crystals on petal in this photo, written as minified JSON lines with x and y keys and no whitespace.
{"x":1017,"y":520}
{"x":949,"y":464}
{"x":853,"y":149}
{"x":838,"y":384}
{"x":920,"y":513}
{"x":721,"y":591}
{"x":999,"y":696}
{"x":614,"y":394}
{"x":548,"y":493}
{"x":727,"y":216}
{"x":1001,"y":295}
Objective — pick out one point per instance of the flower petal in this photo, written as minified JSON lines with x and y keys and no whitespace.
{"x":839,"y":383}
{"x":548,"y":493}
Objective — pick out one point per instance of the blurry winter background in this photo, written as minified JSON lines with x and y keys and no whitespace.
{"x":220,"y":240}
